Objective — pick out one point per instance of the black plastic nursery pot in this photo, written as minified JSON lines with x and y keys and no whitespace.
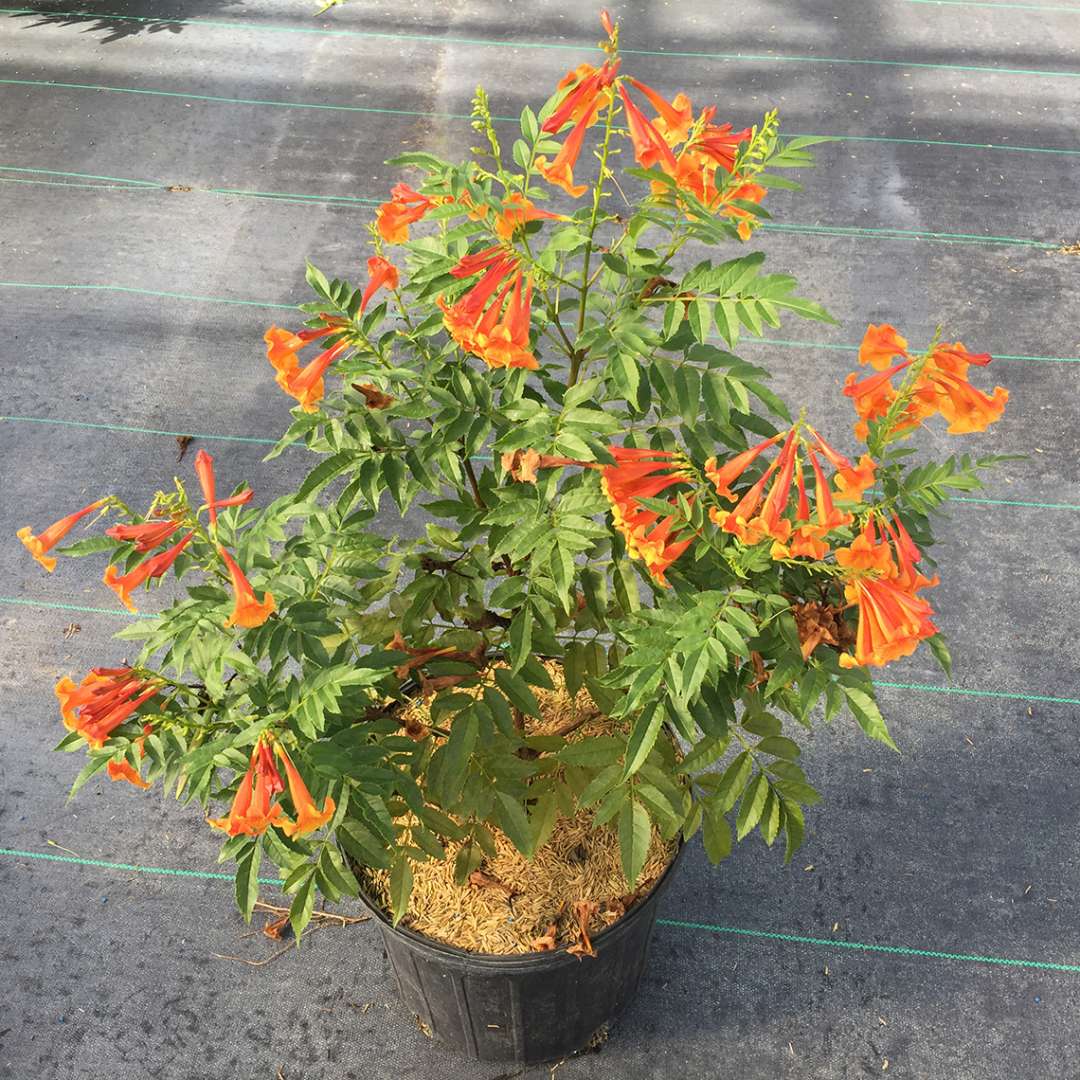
{"x":525,"y":1009}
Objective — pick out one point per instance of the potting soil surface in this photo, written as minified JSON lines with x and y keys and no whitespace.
{"x":166,"y":173}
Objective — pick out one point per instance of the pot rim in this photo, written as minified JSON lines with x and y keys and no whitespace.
{"x":504,"y":961}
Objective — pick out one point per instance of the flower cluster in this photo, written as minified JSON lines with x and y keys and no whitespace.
{"x":252,"y":811}
{"x":104,"y":699}
{"x":936,"y":384}
{"x":145,"y":537}
{"x":643,"y":474}
{"x":492,"y":319}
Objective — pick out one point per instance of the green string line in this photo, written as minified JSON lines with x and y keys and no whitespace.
{"x":56,"y":605}
{"x":965,"y":692}
{"x":272,"y":442}
{"x":854,"y":231}
{"x":925,"y":687}
{"x":107,"y":865}
{"x":242,"y":101}
{"x":1017,"y":502}
{"x":147,"y":292}
{"x":503,"y":119}
{"x":863,"y":946}
{"x":681,"y":924}
{"x":551,"y":45}
{"x":784,"y":343}
{"x":789,"y":344}
{"x":935,"y":142}
{"x":138,"y":430}
{"x":70,"y":184}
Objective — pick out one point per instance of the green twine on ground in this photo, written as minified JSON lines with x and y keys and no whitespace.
{"x":105,"y":864}
{"x":863,"y":946}
{"x":856,"y":232}
{"x":438,"y":39}
{"x":497,"y":119}
{"x":681,"y":924}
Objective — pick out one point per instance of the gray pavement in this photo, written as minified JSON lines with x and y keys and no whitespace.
{"x":965,"y":846}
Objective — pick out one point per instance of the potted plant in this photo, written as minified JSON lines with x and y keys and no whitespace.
{"x":639,"y":577}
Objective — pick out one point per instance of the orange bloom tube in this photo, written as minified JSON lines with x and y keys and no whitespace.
{"x":676,"y":116}
{"x":880,"y":344}
{"x":720,"y":142}
{"x":306,"y":384}
{"x":148,"y":569}
{"x":146,"y":537}
{"x":248,"y":611}
{"x":582,"y":99}
{"x":892,"y":622}
{"x":381,"y":274}
{"x":308,"y":816}
{"x":204,"y":470}
{"x":405,"y":208}
{"x":724,"y":476}
{"x":38,"y":545}
{"x":124,"y":770}
{"x":561,"y":170}
{"x":518,"y":210}
{"x":650,"y":147}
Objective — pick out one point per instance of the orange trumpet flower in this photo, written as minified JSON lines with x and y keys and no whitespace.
{"x":283,"y":345}
{"x":851,"y":480}
{"x":773,"y":524}
{"x":866,"y":553}
{"x":892,"y":622}
{"x":560,"y":171}
{"x":204,"y":470}
{"x":308,"y":816}
{"x":45,"y":541}
{"x":650,"y":147}
{"x":966,"y":407}
{"x":154,"y":567}
{"x":498,"y":335}
{"x":880,"y":345}
{"x":405,"y":208}
{"x":124,"y":770}
{"x":724,"y":476}
{"x":872,"y":396}
{"x":907,"y":554}
{"x":587,"y":84}
{"x":306,"y":383}
{"x":720,"y":143}
{"x":643,"y":474}
{"x":747,"y":222}
{"x":805,"y":539}
{"x":248,"y":610}
{"x":147,"y":536}
{"x":741,"y":521}
{"x":462,"y":317}
{"x":828,"y":516}
{"x":675,"y":117}
{"x":506,"y":343}
{"x":518,"y":211}
{"x":252,"y":811}
{"x":381,"y":273}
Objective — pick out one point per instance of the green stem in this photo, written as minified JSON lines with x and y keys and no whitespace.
{"x":578,"y":357}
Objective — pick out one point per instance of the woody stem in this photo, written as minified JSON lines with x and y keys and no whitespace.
{"x":470,"y":472}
